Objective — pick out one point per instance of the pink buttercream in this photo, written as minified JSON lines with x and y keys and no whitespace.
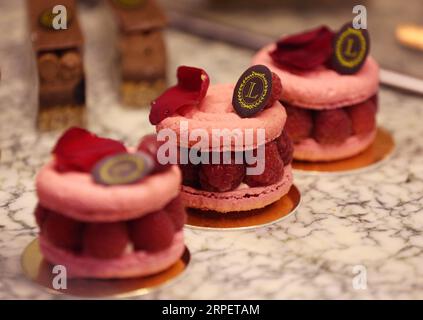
{"x":216,"y":112}
{"x":238,"y":200}
{"x":324,"y":88}
{"x":75,"y":195}
{"x":136,"y":264}
{"x":311,"y":150}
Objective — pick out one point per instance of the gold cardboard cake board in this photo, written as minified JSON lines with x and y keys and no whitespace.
{"x":273,"y":213}
{"x":40,"y":271}
{"x":381,"y":149}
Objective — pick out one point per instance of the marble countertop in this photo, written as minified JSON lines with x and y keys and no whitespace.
{"x":373,"y":219}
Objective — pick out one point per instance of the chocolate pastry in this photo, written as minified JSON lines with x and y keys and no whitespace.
{"x":142,"y":50}
{"x":57,"y":42}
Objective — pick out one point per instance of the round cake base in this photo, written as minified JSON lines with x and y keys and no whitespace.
{"x":38,"y":270}
{"x":277,"y":211}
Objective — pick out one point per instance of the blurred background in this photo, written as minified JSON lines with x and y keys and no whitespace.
{"x":274,"y":18}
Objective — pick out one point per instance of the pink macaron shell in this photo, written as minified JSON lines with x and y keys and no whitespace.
{"x":323,"y":88}
{"x":238,"y":200}
{"x":136,"y":264}
{"x":311,"y":150}
{"x":76,"y":195}
{"x":216,"y":112}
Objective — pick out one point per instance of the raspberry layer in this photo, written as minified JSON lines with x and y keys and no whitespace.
{"x":311,"y":150}
{"x":242,"y":199}
{"x":336,"y":144}
{"x":76,"y":195}
{"x":285,"y":153}
{"x":136,"y":264}
{"x":217,"y":113}
{"x":70,"y":234}
{"x":323,"y":88}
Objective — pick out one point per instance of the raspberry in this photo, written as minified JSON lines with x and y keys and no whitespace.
{"x":276,"y":90}
{"x":332,"y":126}
{"x":153,"y":232}
{"x":273,"y":169}
{"x":190,"y":174}
{"x":363,"y":117}
{"x":285,"y":147}
{"x":62,"y":231}
{"x":299,"y":123}
{"x":105,"y":240}
{"x":41,"y":214}
{"x":176,"y":211}
{"x":221,"y":177}
{"x":150,"y":145}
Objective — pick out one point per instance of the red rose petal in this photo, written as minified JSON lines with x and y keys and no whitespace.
{"x":300,"y":39}
{"x":80,"y":150}
{"x":304,"y":51}
{"x":192,"y":87}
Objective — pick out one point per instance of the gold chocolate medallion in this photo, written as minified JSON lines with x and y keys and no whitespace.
{"x":252,"y":91}
{"x":123,"y":168}
{"x":351,"y":47}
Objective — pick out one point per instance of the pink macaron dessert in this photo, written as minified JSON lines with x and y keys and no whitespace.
{"x":98,"y":210}
{"x":330,"y":91}
{"x":225,"y":112}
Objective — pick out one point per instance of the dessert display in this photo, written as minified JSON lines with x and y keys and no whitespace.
{"x":59,"y":65}
{"x":235,"y":123}
{"x":330,"y":91}
{"x":142,"y":50}
{"x":98,"y":210}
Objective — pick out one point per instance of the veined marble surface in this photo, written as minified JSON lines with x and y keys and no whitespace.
{"x":373,"y":219}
